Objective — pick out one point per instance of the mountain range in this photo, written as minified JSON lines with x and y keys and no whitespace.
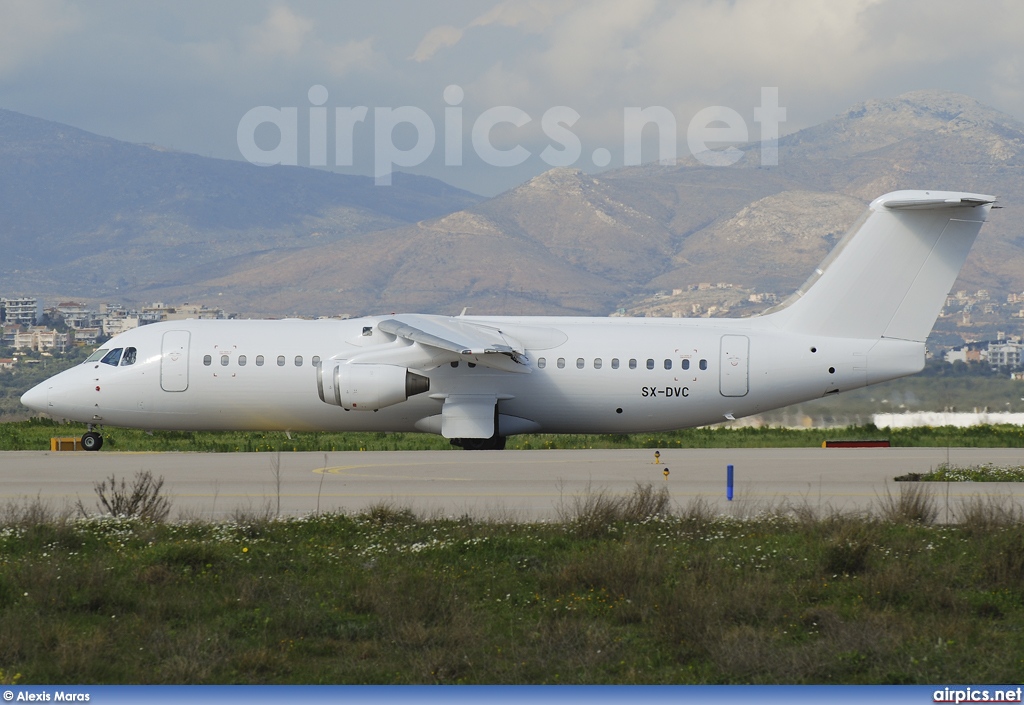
{"x":90,"y":217}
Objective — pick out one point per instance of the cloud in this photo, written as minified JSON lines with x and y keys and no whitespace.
{"x":436,"y":39}
{"x":823,"y":56}
{"x":352,"y":56}
{"x":532,"y":16}
{"x":192,"y":68}
{"x":28,"y":28}
{"x":282,"y":33}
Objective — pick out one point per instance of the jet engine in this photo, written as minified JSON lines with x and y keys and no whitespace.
{"x":367,"y":387}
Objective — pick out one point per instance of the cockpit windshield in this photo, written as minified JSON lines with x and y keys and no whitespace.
{"x":113,"y":357}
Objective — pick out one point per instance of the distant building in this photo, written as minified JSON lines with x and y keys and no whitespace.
{"x":971,"y":352}
{"x":186,"y":311}
{"x":7,"y":333}
{"x":154,"y":313}
{"x":1004,"y":354}
{"x":74,"y":314}
{"x":69,"y":308}
{"x":20,"y":310}
{"x":86,"y":336}
{"x":40,"y":338}
{"x":115,"y":325}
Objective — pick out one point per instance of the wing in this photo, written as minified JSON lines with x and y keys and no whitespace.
{"x":462,"y":340}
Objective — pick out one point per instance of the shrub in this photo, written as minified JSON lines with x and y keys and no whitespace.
{"x":140,"y":500}
{"x":386,"y":513}
{"x":846,"y":557}
{"x":914,"y":505}
{"x":593,"y":514}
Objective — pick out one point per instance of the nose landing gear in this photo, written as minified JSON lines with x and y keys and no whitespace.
{"x":92,"y":440}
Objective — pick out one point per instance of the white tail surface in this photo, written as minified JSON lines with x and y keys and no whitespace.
{"x":890,"y":274}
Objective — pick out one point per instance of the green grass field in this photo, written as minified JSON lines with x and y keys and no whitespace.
{"x":35,"y":434}
{"x":618,"y":590}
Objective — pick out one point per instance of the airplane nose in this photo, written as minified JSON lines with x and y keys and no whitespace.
{"x":36,"y":398}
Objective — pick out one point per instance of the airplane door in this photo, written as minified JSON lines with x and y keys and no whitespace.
{"x":174,"y":361}
{"x":734,"y":365}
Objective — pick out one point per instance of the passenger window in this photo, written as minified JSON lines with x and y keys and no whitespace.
{"x":280,"y":360}
{"x":632,"y":363}
{"x":242,"y":360}
{"x":668,"y":364}
{"x":298,"y":360}
{"x":207,"y":360}
{"x":315,"y":360}
{"x":259,"y":361}
{"x":129,"y":357}
{"x":580,"y":363}
{"x":561,"y":362}
{"x":615,"y":363}
{"x":224,"y":360}
{"x":597,"y":363}
{"x":686,"y":363}
{"x":541,"y":363}
{"x":703,"y":364}
{"x":113,"y":357}
{"x":650,"y":363}
{"x":455,"y":363}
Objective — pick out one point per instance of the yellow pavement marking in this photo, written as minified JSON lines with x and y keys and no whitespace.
{"x":342,"y":470}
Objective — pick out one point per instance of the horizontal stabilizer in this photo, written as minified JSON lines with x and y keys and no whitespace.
{"x":925,"y":202}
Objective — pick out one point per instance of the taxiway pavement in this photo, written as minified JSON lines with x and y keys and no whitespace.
{"x":519,"y":485}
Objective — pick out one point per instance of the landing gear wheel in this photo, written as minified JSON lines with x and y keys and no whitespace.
{"x":92,"y":441}
{"x":492,"y":443}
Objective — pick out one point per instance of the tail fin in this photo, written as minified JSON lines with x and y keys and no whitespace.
{"x":889,"y":276}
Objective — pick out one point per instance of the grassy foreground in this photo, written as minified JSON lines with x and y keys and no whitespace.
{"x":971,"y":473}
{"x":619,"y":590}
{"x":35,"y":434}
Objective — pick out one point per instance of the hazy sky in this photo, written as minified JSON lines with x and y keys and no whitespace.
{"x":184,"y":74}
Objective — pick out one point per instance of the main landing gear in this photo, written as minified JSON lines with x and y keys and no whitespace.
{"x":493,"y":443}
{"x":92,"y":440}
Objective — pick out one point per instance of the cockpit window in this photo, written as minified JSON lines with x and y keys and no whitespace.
{"x":128,"y":358}
{"x":98,"y":355}
{"x":112,"y":357}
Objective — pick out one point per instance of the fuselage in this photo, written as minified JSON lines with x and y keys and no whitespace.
{"x":586,"y":375}
{"x":861,"y":318}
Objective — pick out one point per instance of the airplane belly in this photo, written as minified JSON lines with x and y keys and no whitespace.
{"x":597,"y":403}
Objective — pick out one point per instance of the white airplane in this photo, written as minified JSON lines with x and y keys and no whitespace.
{"x":861,"y":318}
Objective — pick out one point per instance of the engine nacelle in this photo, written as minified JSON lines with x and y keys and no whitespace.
{"x":359,"y":387}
